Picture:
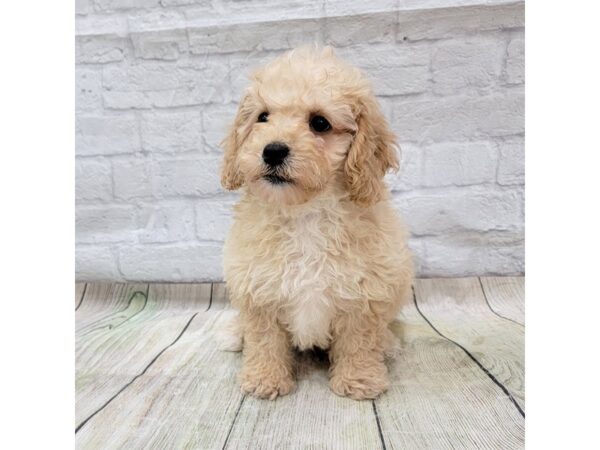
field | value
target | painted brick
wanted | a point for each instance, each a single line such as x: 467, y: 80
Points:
x: 386, y: 105
x: 167, y: 3
x: 515, y: 61
x: 459, y: 164
x: 511, y: 167
x: 410, y: 174
x: 84, y: 6
x: 132, y: 178
x: 100, y: 49
x: 491, y: 253
x: 88, y: 90
x: 149, y: 76
x: 183, y: 177
x: 158, y: 34
x: 213, y: 218
x: 399, y: 80
x: 96, y: 263
x: 368, y: 56
x: 256, y: 36
x: 93, y: 180
x: 172, y: 262
x: 371, y: 28
x: 458, y: 210
x: 392, y: 69
x: 474, y: 62
x: 162, y: 85
x: 170, y: 132
x: 449, y: 22
x: 114, y: 5
x: 460, y: 117
x: 216, y: 121
x: 155, y: 20
x: 359, y: 8
x: 243, y: 11
x: 106, y: 135
x: 171, y: 222
x: 168, y: 45
x: 99, y: 26
x: 105, y: 223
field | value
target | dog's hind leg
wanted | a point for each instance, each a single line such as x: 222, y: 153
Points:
x: 230, y: 336
x: 391, y: 344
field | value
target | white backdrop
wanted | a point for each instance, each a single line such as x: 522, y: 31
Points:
x: 157, y: 83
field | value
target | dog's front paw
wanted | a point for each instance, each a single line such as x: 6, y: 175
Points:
x: 358, y: 388
x: 359, y: 385
x: 267, y: 386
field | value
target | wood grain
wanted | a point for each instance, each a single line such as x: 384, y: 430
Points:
x: 105, y: 299
x: 219, y: 299
x: 506, y: 296
x: 439, y: 398
x: 187, y: 398
x: 458, y: 309
x: 119, y: 335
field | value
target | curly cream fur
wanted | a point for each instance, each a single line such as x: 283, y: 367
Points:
x: 320, y: 261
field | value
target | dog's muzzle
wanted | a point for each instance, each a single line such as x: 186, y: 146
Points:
x: 274, y: 155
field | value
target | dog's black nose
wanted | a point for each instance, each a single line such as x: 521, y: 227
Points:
x: 274, y: 153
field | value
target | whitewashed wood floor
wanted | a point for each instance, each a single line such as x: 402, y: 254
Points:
x: 149, y: 375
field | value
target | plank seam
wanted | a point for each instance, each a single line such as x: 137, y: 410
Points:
x: 233, y: 422
x: 211, y: 296
x: 475, y: 360
x: 492, y: 309
x: 137, y: 376
x: 378, y: 425
x: 82, y: 295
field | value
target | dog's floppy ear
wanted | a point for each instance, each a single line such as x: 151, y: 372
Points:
x: 231, y: 178
x: 372, y: 153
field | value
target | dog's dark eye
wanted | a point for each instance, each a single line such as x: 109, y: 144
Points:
x: 263, y: 117
x: 319, y: 124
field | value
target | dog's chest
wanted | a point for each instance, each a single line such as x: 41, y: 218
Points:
x: 306, y: 279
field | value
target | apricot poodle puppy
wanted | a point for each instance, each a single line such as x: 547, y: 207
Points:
x: 316, y: 256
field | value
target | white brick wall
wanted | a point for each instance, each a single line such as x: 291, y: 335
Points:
x: 157, y: 85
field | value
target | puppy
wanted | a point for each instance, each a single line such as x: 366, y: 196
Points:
x: 316, y: 256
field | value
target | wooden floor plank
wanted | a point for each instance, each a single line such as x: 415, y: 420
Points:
x: 97, y: 320
x: 117, y: 339
x: 439, y: 398
x: 506, y: 296
x: 458, y: 309
x: 79, y: 291
x: 104, y: 300
x: 187, y: 398
x: 219, y: 297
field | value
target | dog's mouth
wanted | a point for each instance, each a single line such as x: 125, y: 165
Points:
x: 276, y: 179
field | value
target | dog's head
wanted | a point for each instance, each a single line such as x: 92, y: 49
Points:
x: 308, y: 120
